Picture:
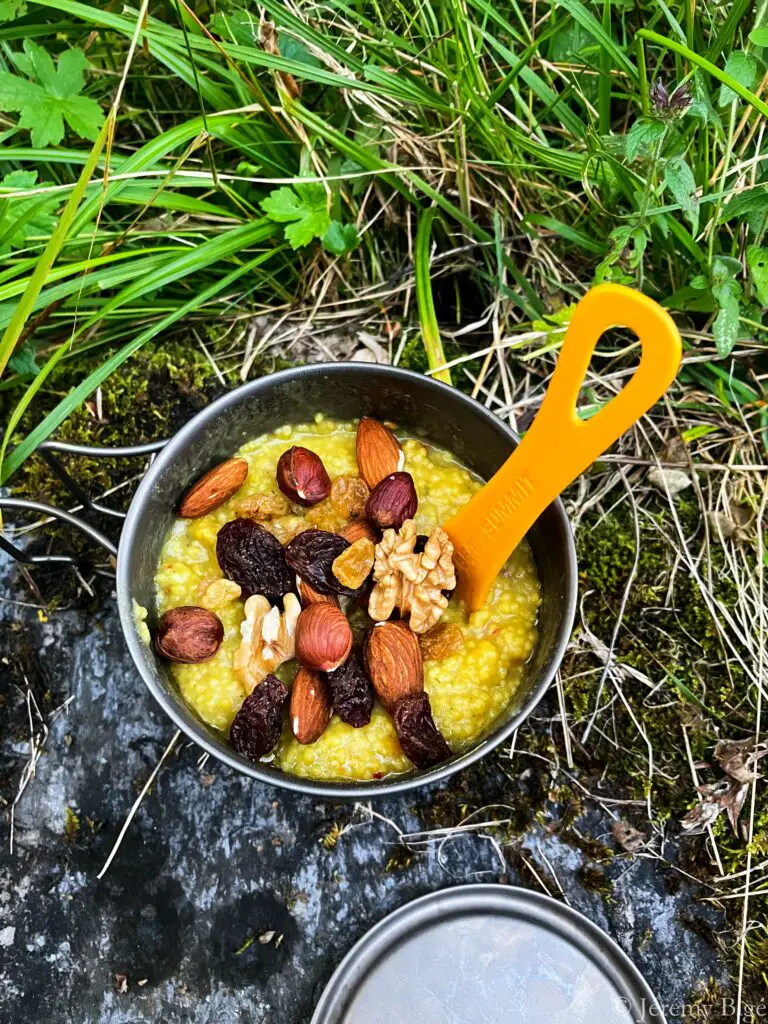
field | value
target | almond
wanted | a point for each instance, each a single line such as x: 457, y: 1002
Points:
x: 378, y: 452
x: 358, y: 529
x: 323, y: 637
x: 393, y: 660
x: 309, y: 595
x: 310, y: 705
x: 213, y: 489
x: 188, y: 634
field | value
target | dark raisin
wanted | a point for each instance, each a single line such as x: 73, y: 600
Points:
x: 419, y: 736
x: 352, y: 693
x: 253, y: 558
x: 311, y: 555
x: 259, y: 722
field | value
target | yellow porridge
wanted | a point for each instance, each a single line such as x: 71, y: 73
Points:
x: 469, y: 666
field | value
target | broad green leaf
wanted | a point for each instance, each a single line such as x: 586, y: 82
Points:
x: 759, y: 36
x: 340, y: 238
x: 753, y: 200
x: 679, y: 179
x: 20, y: 218
x: 643, y: 136
x: 757, y: 261
x: 12, y: 9
x: 726, y: 293
x: 48, y: 96
x: 304, y: 208
x: 23, y: 360
x: 743, y: 68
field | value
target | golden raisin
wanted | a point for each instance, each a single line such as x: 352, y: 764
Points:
x: 441, y: 642
x: 325, y: 517
x: 263, y: 506
x: 287, y: 527
x: 349, y: 495
x: 353, y: 565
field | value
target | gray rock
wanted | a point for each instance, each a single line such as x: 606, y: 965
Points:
x: 223, y: 903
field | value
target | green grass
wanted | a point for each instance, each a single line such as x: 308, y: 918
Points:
x: 509, y: 120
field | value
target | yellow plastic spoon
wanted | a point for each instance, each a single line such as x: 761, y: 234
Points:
x: 558, y: 445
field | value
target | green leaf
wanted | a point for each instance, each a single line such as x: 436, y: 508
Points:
x: 304, y: 208
x: 757, y: 261
x: 12, y: 9
x: 340, y: 238
x: 743, y: 68
x: 754, y: 200
x: 23, y: 360
x: 679, y: 179
x: 726, y: 293
x: 48, y: 96
x: 293, y: 49
x: 20, y: 218
x: 759, y: 37
x: 644, y: 135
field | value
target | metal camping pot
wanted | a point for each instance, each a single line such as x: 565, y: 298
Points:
x: 424, y: 408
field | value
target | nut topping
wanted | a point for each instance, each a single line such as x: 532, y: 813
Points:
x: 215, y: 594
x: 213, y: 489
x: 188, y: 634
x: 323, y: 637
x: 301, y: 476
x: 359, y: 528
x: 248, y: 554
x: 393, y: 660
x: 349, y: 495
x: 378, y: 453
x: 259, y: 722
x: 392, y: 501
x: 441, y: 642
x: 352, y: 693
x: 263, y: 507
x: 268, y: 638
x: 309, y: 595
x: 412, y: 582
x: 353, y: 566
x: 310, y: 706
x: 419, y: 737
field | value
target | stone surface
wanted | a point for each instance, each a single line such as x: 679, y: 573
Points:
x: 229, y: 901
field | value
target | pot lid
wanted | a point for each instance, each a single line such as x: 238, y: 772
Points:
x: 486, y: 953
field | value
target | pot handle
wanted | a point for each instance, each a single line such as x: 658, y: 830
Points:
x: 48, y: 451
x: 56, y: 513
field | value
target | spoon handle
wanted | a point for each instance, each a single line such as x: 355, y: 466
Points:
x: 560, y: 445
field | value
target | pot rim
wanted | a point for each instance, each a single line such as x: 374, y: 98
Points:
x: 185, y: 719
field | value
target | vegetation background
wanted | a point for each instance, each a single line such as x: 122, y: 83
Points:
x: 194, y: 195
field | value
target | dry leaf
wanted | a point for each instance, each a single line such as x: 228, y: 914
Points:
x: 725, y: 795
x: 738, y: 758
x: 671, y: 481
x: 628, y: 838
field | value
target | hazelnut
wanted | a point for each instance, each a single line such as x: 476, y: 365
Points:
x: 392, y: 501
x: 188, y: 634
x: 302, y: 478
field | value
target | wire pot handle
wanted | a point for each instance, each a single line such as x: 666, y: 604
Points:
x: 47, y: 450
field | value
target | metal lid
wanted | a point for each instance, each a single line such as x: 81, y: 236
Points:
x: 486, y: 953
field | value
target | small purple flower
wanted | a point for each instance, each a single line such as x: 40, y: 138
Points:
x: 667, y: 106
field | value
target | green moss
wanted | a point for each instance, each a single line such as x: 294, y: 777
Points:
x: 596, y: 881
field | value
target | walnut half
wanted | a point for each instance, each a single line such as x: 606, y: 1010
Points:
x: 268, y: 638
x: 412, y: 582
